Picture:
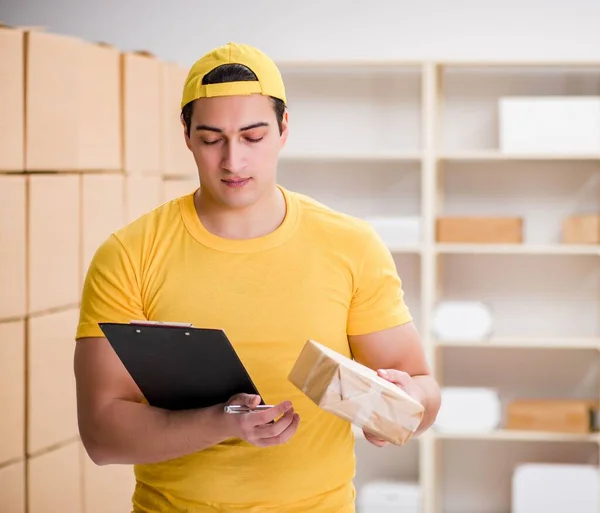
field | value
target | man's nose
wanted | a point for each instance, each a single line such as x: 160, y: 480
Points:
x: 233, y: 157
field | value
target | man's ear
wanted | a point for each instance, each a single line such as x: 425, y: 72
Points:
x: 284, y: 129
x: 185, y: 132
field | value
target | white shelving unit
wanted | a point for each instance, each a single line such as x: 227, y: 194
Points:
x: 421, y: 139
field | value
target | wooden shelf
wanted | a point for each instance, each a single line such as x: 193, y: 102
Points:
x: 412, y: 250
x: 493, y: 156
x: 408, y: 156
x: 331, y: 66
x: 518, y: 249
x: 521, y: 436
x: 526, y: 343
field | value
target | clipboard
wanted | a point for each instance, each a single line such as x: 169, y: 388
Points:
x: 177, y: 366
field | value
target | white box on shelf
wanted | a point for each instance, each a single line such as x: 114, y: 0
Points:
x: 549, y: 125
x: 462, y: 320
x: 469, y: 410
x: 397, y: 231
x: 555, y: 488
x: 388, y: 496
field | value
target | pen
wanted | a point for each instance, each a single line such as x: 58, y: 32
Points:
x: 240, y: 408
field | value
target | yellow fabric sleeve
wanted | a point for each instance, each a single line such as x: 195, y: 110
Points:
x: 378, y: 299
x: 111, y: 291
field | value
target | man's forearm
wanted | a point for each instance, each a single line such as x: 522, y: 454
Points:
x: 431, y: 400
x: 125, y: 432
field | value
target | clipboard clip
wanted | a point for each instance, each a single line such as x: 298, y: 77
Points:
x: 161, y: 323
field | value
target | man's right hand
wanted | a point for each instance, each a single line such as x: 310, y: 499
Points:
x: 257, y: 428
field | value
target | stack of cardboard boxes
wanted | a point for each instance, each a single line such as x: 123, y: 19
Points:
x: 90, y: 139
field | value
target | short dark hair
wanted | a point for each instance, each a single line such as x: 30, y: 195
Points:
x: 232, y: 73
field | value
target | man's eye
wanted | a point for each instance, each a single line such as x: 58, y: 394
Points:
x: 254, y: 140
x: 210, y: 142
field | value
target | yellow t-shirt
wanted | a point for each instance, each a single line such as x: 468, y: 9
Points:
x: 321, y: 275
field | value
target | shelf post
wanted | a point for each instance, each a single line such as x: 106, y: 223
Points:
x: 428, y: 456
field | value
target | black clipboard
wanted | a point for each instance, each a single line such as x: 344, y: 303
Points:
x: 177, y: 366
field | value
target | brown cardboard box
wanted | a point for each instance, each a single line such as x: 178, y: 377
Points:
x: 175, y: 188
x: 72, y: 104
x: 54, y: 481
x: 356, y: 393
x: 12, y: 77
x: 12, y: 488
x: 177, y: 160
x: 561, y: 416
x: 141, y: 113
x: 484, y: 230
x: 581, y: 229
x: 103, y: 212
x: 13, y: 288
x: 107, y: 489
x: 142, y: 195
x: 100, y: 127
x: 52, y: 407
x: 12, y: 391
x: 53, y: 241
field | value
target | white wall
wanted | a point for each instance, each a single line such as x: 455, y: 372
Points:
x: 181, y: 30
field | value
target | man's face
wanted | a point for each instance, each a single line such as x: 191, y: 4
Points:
x: 235, y: 141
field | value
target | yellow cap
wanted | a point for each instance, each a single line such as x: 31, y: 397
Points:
x: 269, y: 82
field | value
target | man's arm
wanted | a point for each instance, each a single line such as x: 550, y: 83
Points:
x: 116, y: 427
x: 399, y: 351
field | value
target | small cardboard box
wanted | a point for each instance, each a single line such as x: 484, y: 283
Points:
x: 549, y: 125
x: 51, y: 395
x: 53, y: 242
x: 99, y: 193
x: 581, y: 229
x: 13, y: 246
x: 12, y: 400
x: 106, y: 488
x: 72, y: 97
x: 176, y: 159
x: 141, y: 113
x: 54, y: 480
x: 356, y: 393
x: 142, y: 195
x: 559, y: 416
x: 175, y: 188
x: 480, y: 230
x: 12, y: 98
x: 12, y: 486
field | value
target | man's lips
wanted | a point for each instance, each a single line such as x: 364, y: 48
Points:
x: 235, y: 182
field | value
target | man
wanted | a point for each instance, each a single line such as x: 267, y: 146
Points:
x: 272, y: 268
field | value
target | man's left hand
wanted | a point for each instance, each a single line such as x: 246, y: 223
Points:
x: 404, y: 381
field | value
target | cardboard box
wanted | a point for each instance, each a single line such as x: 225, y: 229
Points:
x: 103, y: 212
x: 100, y: 126
x: 480, y: 230
x: 12, y: 99
x: 53, y: 241
x: 176, y: 159
x: 54, y: 481
x: 560, y: 416
x: 13, y: 261
x: 549, y: 125
x: 356, y: 393
x: 173, y: 188
x: 107, y: 489
x: 12, y: 391
x: 12, y: 488
x: 141, y: 113
x: 72, y: 104
x: 142, y: 195
x: 581, y: 229
x: 52, y: 403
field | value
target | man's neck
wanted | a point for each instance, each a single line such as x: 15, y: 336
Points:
x: 257, y: 220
